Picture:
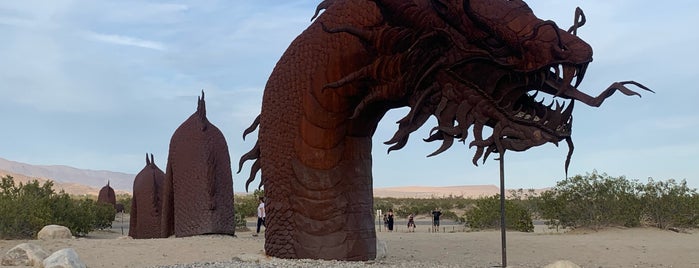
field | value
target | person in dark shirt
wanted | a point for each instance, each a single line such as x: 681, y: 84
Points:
x: 435, y: 219
x: 411, y: 222
x: 390, y: 220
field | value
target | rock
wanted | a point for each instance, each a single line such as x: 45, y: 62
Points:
x: 24, y: 254
x: 54, y: 232
x: 562, y: 264
x: 64, y: 258
x: 381, y: 249
x: 251, y: 257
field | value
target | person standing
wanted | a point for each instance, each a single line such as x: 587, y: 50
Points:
x: 435, y: 219
x: 260, y: 215
x: 390, y: 220
x: 385, y: 221
x: 411, y: 222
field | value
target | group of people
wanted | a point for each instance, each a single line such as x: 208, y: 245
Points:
x: 388, y: 220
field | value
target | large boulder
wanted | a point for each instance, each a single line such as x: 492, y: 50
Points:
x: 64, y: 258
x: 562, y: 264
x: 24, y: 254
x: 50, y: 232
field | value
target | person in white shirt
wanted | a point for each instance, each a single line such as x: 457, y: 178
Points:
x: 260, y: 215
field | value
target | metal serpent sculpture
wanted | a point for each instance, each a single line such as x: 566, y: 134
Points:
x: 470, y: 64
x: 146, y: 203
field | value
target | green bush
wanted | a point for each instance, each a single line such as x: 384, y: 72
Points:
x: 125, y: 199
x: 594, y: 200
x: 240, y: 223
x: 486, y: 214
x: 26, y: 208
x: 402, y: 207
x: 246, y: 205
x: 668, y: 203
x: 598, y: 200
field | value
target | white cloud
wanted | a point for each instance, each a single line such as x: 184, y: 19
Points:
x: 126, y: 41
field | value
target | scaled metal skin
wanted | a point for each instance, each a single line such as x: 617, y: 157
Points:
x: 470, y: 64
x: 106, y: 195
x: 198, y: 187
x: 146, y: 203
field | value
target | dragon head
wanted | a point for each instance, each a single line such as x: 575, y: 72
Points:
x: 476, y: 64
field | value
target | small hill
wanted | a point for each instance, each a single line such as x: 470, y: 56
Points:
x: 431, y: 192
x: 65, y: 174
x: 68, y: 187
x: 467, y: 191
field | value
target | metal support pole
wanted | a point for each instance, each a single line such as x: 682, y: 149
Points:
x: 502, y: 208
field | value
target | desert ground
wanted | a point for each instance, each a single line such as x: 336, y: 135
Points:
x: 453, y: 247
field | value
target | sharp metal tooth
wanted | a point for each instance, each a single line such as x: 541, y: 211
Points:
x: 558, y: 72
x: 536, y: 93
x: 559, y: 108
x: 546, y: 122
x: 527, y: 116
x: 577, y: 76
x: 569, y: 110
x: 581, y: 74
x: 568, y: 75
x: 537, y: 119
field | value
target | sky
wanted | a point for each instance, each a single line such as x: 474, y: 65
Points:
x: 97, y: 84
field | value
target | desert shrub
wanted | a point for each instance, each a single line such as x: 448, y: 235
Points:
x: 486, y: 214
x: 384, y: 204
x: 125, y: 199
x: 104, y: 215
x: 26, y: 208
x: 448, y: 214
x: 529, y: 199
x: 246, y: 205
x: 597, y: 200
x: 594, y: 200
x: 240, y: 223
x: 669, y: 203
x: 402, y: 207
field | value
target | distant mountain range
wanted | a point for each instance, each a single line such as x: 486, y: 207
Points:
x: 84, y: 181
x: 65, y: 174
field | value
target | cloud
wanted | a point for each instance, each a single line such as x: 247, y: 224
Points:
x: 126, y: 41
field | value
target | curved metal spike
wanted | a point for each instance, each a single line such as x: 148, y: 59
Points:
x: 446, y: 144
x: 323, y: 5
x: 254, y: 153
x: 571, y: 147
x: 252, y: 126
x: 253, y: 172
x: 434, y: 136
x: 399, y: 145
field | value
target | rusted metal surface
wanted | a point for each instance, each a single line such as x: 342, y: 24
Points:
x: 106, y: 195
x: 470, y: 64
x: 146, y: 203
x: 198, y: 187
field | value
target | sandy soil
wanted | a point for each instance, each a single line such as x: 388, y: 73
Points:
x: 613, y: 247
